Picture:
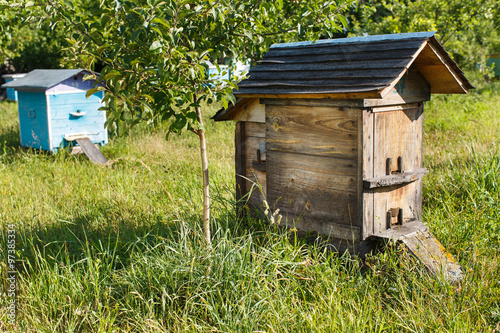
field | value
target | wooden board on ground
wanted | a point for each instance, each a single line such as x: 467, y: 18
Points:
x: 433, y: 255
x: 92, y: 152
x: 423, y: 245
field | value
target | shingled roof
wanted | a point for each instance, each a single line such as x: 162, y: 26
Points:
x: 43, y: 79
x: 359, y: 67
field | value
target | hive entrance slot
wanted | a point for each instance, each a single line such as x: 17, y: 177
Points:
x: 389, y: 168
x: 394, y: 218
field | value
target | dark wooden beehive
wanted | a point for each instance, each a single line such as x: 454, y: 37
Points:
x: 333, y: 131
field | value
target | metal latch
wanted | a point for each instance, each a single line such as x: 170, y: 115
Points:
x: 260, y: 163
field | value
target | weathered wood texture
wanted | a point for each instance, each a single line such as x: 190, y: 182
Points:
x: 411, y: 88
x: 351, y: 234
x: 319, y: 131
x: 91, y: 150
x: 423, y: 245
x: 239, y: 159
x: 313, y: 93
x: 433, y: 255
x: 395, y: 179
x: 367, y: 67
x: 397, y: 134
x: 312, y: 185
x: 365, y: 211
x: 312, y: 168
x: 441, y: 71
x: 254, y: 138
x: 409, y: 229
x: 313, y: 102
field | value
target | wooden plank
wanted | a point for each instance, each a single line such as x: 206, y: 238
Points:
x: 395, y: 179
x: 313, y: 186
x: 313, y: 66
x: 325, y: 55
x: 408, y: 65
x: 434, y: 256
x: 367, y: 171
x: 397, y: 134
x: 312, y: 102
x: 411, y: 88
x: 403, y: 47
x: 441, y: 80
x: 327, y: 74
x: 254, y: 129
x: 357, y: 92
x: 319, y: 131
x: 239, y: 158
x: 308, y: 95
x: 327, y: 227
x: 451, y: 66
x: 92, y: 152
x: 442, y: 74
x: 251, y: 111
x: 418, y: 135
x: 424, y: 246
x: 313, y: 83
x: 245, y: 109
x: 397, y: 197
x: 401, y: 107
x: 256, y: 178
x: 409, y: 229
x: 359, y: 175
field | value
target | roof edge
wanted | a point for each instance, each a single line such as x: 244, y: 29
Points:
x: 18, y: 84
x: 434, y: 43
x: 225, y: 114
x: 354, y: 40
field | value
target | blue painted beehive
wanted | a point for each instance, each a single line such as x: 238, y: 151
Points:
x: 218, y: 74
x: 11, y: 92
x: 53, y: 108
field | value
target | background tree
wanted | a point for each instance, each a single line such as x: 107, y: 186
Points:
x: 468, y: 28
x: 155, y: 52
x: 26, y: 43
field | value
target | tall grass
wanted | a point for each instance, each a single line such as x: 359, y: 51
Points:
x: 120, y: 248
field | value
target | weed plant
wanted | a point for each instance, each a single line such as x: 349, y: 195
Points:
x: 120, y: 248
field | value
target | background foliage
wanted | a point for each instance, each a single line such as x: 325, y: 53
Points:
x: 469, y: 29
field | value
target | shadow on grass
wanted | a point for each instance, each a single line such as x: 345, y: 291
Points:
x: 113, y: 231
x: 9, y: 137
x: 83, y: 237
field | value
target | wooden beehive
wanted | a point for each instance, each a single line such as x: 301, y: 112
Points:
x: 53, y: 109
x: 333, y: 131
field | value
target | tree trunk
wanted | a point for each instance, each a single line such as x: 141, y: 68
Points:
x: 204, y: 168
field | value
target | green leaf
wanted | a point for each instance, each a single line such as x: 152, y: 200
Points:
x: 90, y: 92
x: 155, y: 45
x: 343, y: 20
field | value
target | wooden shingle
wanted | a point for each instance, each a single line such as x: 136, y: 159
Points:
x: 361, y: 67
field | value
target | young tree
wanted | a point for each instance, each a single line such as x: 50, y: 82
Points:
x: 155, y: 52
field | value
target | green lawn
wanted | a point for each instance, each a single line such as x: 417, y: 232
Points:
x: 120, y: 248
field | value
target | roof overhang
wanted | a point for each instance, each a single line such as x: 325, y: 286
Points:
x: 434, y: 63
x: 43, y: 79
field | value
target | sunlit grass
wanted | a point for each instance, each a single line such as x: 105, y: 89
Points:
x: 120, y: 248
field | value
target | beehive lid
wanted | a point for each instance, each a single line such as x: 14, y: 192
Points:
x: 43, y: 79
x: 13, y: 76
x: 359, y: 67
